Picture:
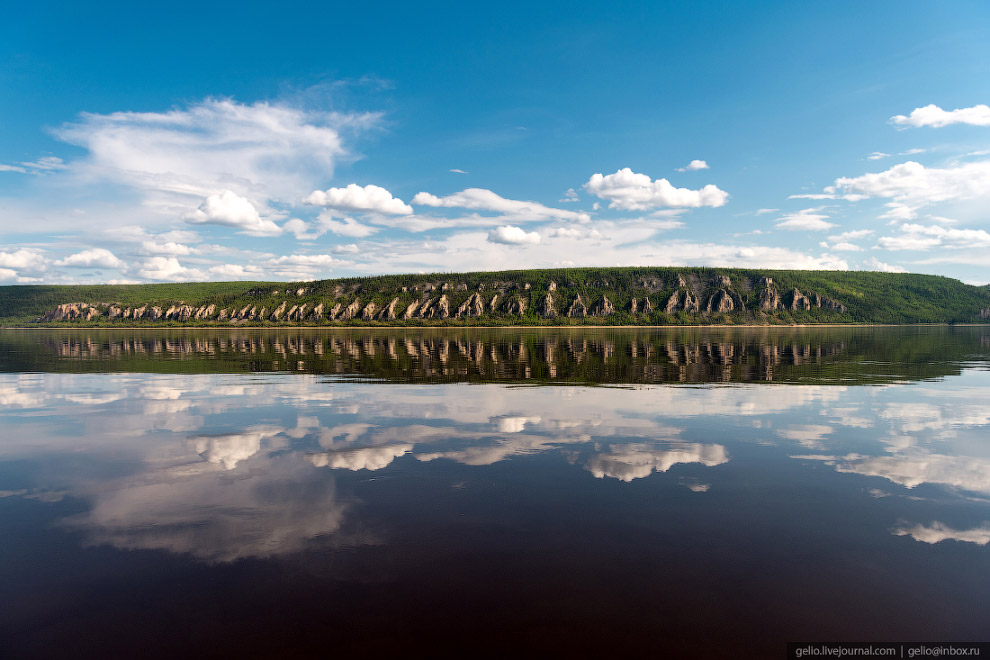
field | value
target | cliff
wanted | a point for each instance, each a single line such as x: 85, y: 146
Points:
x: 585, y: 296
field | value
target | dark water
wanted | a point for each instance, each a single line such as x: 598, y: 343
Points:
x: 469, y: 493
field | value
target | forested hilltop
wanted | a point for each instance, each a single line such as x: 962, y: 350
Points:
x: 573, y: 296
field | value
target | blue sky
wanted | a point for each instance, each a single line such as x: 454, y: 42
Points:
x: 248, y: 141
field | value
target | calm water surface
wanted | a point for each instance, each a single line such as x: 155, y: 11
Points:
x: 467, y: 493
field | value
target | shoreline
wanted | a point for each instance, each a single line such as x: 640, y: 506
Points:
x: 505, y: 327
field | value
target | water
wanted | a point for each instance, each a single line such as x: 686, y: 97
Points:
x: 713, y: 493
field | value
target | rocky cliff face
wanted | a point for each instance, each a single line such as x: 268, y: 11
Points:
x: 699, y: 293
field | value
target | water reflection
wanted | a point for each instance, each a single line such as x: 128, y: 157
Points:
x: 221, y: 468
x: 658, y: 355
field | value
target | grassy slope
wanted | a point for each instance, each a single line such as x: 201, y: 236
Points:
x: 869, y: 296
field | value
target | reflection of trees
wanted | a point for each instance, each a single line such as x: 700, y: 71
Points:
x: 846, y: 355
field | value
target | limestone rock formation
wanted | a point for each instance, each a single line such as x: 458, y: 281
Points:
x: 577, y: 308
x: 603, y: 307
x: 388, y: 312
x: 769, y: 298
x: 368, y: 313
x: 317, y: 313
x: 335, y: 312
x: 647, y: 306
x: 552, y: 286
x: 691, y: 302
x: 473, y: 306
x: 276, y: 315
x: 546, y: 308
x: 411, y: 310
x: 720, y: 302
x: 443, y: 307
x: 516, y: 305
x: 633, y: 306
x: 351, y: 310
x: 799, y: 300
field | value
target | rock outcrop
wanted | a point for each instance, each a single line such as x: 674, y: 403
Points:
x: 577, y: 309
x: 473, y: 306
x: 546, y: 307
x: 368, y: 313
x: 720, y: 302
x: 351, y: 310
x: 603, y: 307
x: 277, y: 314
x: 515, y: 305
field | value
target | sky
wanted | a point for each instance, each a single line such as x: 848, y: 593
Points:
x: 249, y: 141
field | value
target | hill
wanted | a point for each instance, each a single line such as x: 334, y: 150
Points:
x: 573, y: 296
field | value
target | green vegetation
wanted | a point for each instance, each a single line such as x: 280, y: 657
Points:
x: 838, y: 297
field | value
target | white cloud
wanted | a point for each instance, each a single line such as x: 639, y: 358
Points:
x: 480, y: 199
x: 693, y: 166
x: 932, y: 115
x: 922, y: 237
x: 344, y: 226
x: 805, y: 220
x: 851, y: 235
x: 167, y: 248
x: 765, y: 211
x: 236, y: 272
x: 569, y: 197
x: 370, y: 198
x: 231, y: 210
x: 456, y: 170
x: 848, y: 198
x: 301, y: 266
x: 167, y: 269
x: 92, y: 258
x: 510, y: 235
x: 268, y: 150
x: 877, y: 155
x: 875, y: 264
x: 843, y: 246
x: 938, y: 532
x: 912, y: 184
x: 44, y: 165
x: 25, y: 260
x: 628, y: 190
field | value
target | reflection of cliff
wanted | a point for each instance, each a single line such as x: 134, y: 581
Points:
x: 845, y: 356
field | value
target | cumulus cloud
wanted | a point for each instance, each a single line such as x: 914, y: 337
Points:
x: 301, y: 266
x: 92, y: 258
x: 922, y: 237
x: 569, y: 196
x: 911, y: 184
x: 805, y: 220
x: 370, y: 198
x: 510, y: 235
x: 630, y: 191
x: 843, y: 246
x: 875, y: 264
x: 25, y: 261
x: 932, y: 115
x: 480, y: 199
x: 231, y: 210
x: 693, y: 166
x: 344, y: 226
x: 235, y: 272
x: 168, y: 269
